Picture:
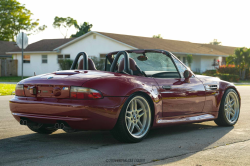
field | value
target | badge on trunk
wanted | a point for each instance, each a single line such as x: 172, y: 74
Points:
x: 49, y: 78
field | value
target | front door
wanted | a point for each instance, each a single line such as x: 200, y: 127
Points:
x: 181, y: 98
x: 178, y: 97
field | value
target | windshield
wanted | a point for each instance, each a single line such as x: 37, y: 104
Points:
x: 154, y: 62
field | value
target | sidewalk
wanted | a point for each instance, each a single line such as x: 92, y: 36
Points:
x: 8, y: 82
x: 237, y: 83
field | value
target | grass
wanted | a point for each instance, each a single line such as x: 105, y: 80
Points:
x: 7, y: 89
x: 244, y: 81
x: 11, y: 79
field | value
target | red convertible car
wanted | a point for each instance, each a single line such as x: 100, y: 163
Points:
x: 138, y: 90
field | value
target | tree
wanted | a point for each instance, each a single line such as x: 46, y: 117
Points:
x: 82, y: 29
x: 65, y: 64
x: 215, y: 42
x: 241, y: 60
x: 99, y: 63
x: 14, y: 17
x: 60, y: 22
x: 157, y: 36
x: 189, y: 60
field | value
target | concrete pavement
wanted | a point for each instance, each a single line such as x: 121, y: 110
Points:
x: 193, y: 144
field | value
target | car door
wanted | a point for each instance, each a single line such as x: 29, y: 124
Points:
x: 178, y: 97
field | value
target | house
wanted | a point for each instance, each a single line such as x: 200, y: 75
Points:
x: 6, y: 46
x: 42, y: 56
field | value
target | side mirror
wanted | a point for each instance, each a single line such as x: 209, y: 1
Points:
x: 187, y: 74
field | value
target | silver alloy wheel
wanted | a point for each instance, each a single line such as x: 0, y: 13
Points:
x: 138, y: 117
x: 232, y: 107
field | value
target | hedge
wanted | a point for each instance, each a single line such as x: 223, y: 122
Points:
x: 210, y: 72
x: 226, y: 69
x: 225, y: 77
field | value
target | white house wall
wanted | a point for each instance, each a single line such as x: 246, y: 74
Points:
x: 206, y: 62
x: 36, y: 64
x: 93, y: 47
x: 200, y: 63
x: 196, y: 65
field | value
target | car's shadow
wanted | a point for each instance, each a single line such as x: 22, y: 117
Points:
x: 167, y: 142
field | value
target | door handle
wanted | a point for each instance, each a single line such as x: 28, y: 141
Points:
x: 166, y: 87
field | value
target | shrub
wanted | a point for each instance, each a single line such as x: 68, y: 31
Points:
x: 225, y: 77
x: 228, y: 69
x: 65, y: 64
x: 229, y: 77
x: 209, y: 72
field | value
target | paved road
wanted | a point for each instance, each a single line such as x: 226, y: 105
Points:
x: 193, y: 144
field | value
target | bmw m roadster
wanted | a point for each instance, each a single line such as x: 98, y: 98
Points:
x: 136, y: 91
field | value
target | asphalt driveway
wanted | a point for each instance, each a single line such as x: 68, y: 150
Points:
x: 193, y: 144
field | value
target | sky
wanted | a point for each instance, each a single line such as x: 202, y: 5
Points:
x: 198, y: 21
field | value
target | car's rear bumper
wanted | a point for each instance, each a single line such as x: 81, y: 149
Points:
x: 98, y: 114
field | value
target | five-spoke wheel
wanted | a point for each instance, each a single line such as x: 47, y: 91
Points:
x: 134, y: 120
x: 229, y: 109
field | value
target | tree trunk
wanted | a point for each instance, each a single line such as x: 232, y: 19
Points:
x: 243, y: 73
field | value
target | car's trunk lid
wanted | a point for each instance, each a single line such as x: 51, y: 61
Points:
x: 57, y: 84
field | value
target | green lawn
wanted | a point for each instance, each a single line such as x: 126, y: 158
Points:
x: 244, y: 81
x: 11, y: 79
x: 7, y: 89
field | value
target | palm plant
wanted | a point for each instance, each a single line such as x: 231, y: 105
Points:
x: 189, y: 60
x: 241, y: 60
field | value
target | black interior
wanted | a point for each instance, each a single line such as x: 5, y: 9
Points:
x: 165, y: 75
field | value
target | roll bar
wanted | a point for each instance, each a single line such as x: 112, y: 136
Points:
x: 85, y: 61
x: 126, y: 62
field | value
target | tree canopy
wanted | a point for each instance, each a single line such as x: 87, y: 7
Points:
x: 241, y: 60
x: 215, y: 42
x: 14, y: 17
x: 66, y: 23
x: 82, y: 29
x: 157, y: 36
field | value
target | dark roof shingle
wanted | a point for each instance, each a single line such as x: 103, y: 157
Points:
x: 139, y: 42
x: 44, y: 45
x: 6, y: 46
x: 171, y: 45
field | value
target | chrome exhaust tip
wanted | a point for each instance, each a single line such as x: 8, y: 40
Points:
x: 21, y: 122
x: 57, y: 126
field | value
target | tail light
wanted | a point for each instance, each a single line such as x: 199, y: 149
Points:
x: 84, y: 93
x: 19, y: 91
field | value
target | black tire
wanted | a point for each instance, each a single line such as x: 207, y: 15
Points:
x: 41, y: 128
x: 121, y: 131
x: 222, y: 119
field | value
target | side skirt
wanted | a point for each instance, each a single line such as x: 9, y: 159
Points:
x: 191, y: 119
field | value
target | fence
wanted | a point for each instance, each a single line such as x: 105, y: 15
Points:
x: 8, y: 67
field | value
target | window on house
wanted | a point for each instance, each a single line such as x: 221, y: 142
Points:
x: 102, y: 56
x: 59, y: 57
x: 44, y: 58
x: 67, y: 56
x: 91, y: 56
x: 26, y: 59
